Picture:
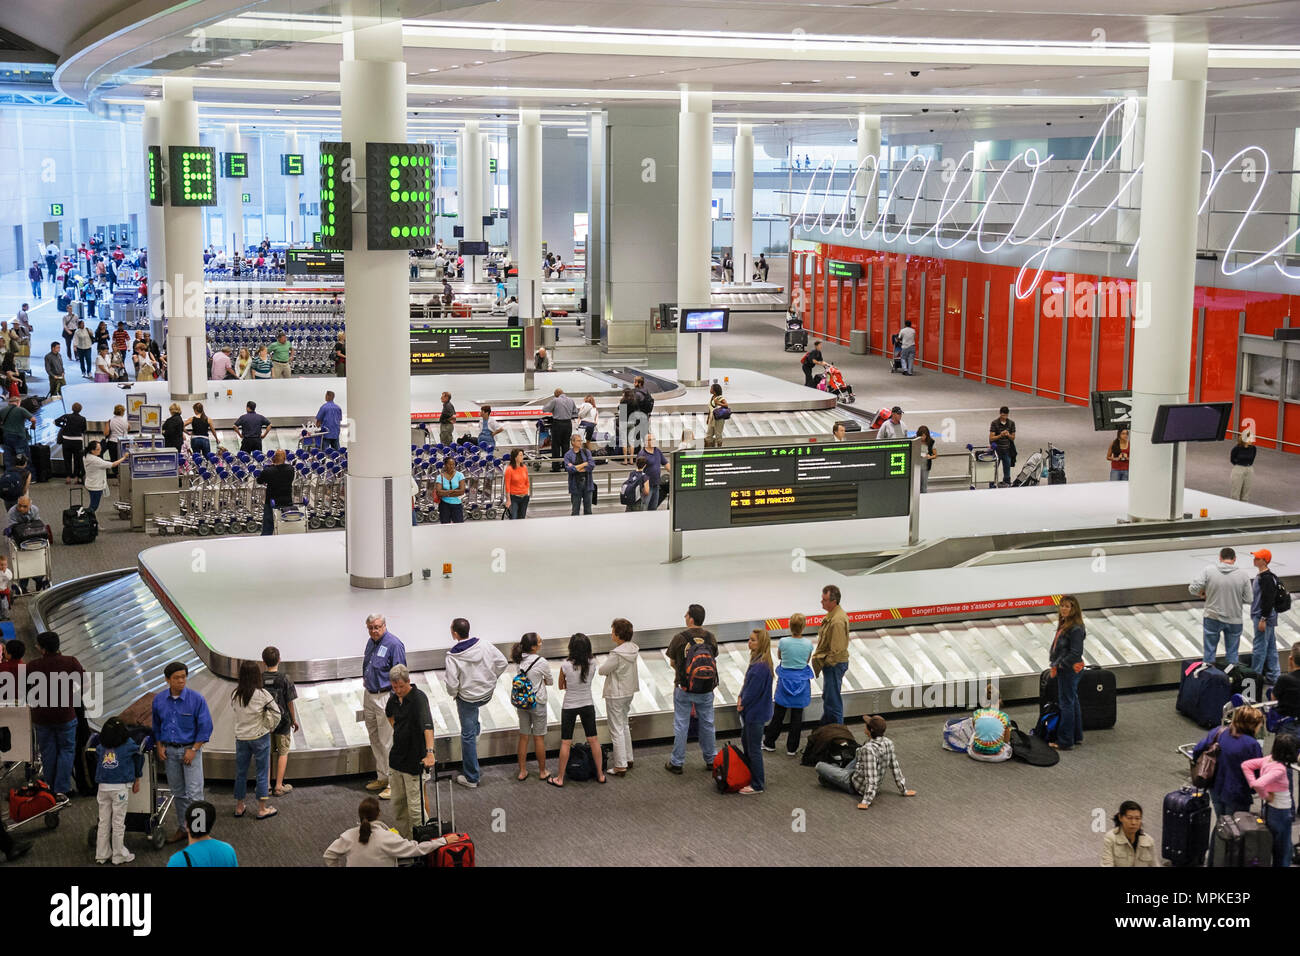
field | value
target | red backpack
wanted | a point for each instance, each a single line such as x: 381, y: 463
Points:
x: 730, y: 771
x: 27, y: 802
x: 458, y: 854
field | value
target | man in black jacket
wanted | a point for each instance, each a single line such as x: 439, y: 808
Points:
x: 1263, y: 615
x: 278, y: 478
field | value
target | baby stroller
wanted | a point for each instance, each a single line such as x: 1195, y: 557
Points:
x: 833, y: 381
x: 1032, y: 472
x: 896, y: 364
x: 796, y: 336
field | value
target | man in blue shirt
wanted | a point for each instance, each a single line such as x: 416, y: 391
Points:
x: 182, y: 726
x: 203, y: 850
x: 383, y: 652
x: 329, y: 416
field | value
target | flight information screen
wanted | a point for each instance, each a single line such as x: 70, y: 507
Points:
x: 451, y: 350
x: 737, y: 487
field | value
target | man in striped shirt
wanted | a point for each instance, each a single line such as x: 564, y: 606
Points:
x: 863, y: 775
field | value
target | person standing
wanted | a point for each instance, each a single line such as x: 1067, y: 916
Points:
x: 717, y: 417
x: 577, y: 673
x: 281, y: 356
x: 328, y: 418
x: 221, y: 366
x: 201, y: 429
x: 252, y: 428
x: 96, y: 469
x: 52, y: 263
x: 907, y: 346
x: 121, y: 341
x: 831, y: 656
x: 928, y: 455
x: 693, y: 652
x: 256, y: 715
x: 579, y: 464
x: 341, y: 356
x: 446, y: 420
x: 260, y: 365
x: 1272, y: 777
x: 72, y: 436
x: 1242, y: 458
x: 383, y: 652
x: 762, y: 266
x: 118, y: 767
x: 182, y: 727
x: 655, y: 462
x: 1263, y: 618
x: 619, y: 668
x: 203, y: 850
x: 1229, y: 792
x: 518, y: 486
x: 1225, y: 588
x: 278, y: 478
x: 810, y: 362
x: 893, y: 426
x: 70, y: 324
x: 56, y: 724
x: 563, y: 411
x: 1002, y: 436
x: 173, y: 428
x: 1117, y: 455
x: 754, y: 707
x: 1066, y: 664
x: 281, y: 688
x: 83, y: 344
x: 533, y: 668
x: 450, y: 485
x: 470, y: 675
x: 408, y: 714
x: 793, y: 687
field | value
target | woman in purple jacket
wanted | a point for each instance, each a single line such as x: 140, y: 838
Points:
x: 755, y: 706
x: 1229, y: 793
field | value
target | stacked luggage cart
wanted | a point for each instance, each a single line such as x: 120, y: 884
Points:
x: 312, y: 323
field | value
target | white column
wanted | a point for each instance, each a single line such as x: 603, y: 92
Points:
x: 232, y: 204
x: 151, y: 135
x: 694, y: 226
x: 182, y: 292
x: 470, y: 180
x: 1162, y: 340
x: 485, y: 192
x: 292, y: 186
x: 868, y: 200
x: 373, y: 100
x: 528, y: 207
x: 1128, y: 221
x: 742, y: 203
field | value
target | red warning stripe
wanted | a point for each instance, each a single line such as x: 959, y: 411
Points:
x: 929, y: 610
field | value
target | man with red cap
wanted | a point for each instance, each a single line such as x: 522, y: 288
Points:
x: 1263, y: 617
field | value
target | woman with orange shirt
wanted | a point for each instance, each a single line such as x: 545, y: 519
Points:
x: 517, y: 485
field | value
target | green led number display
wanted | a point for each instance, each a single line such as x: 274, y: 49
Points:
x: 399, y: 195
x: 246, y: 197
x: 897, y: 463
x: 690, y: 476
x: 335, y: 196
x: 234, y: 165
x: 192, y: 171
x: 56, y: 209
x: 291, y: 164
x: 153, y: 173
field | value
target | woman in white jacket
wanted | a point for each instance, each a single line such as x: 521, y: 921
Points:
x: 256, y: 714
x: 619, y: 669
x: 373, y: 844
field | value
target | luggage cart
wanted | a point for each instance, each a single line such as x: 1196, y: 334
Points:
x: 31, y: 559
x: 25, y: 757
x: 147, y: 809
x: 984, y: 467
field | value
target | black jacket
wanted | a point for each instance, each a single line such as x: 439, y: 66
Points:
x: 173, y: 430
x: 1067, y: 648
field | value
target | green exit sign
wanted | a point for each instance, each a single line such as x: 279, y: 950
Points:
x: 248, y: 197
x: 492, y: 165
x: 56, y: 209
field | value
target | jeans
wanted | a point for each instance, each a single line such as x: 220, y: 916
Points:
x: 469, y: 728
x: 1224, y: 808
x: 1117, y: 475
x: 110, y: 841
x: 85, y: 360
x: 36, y: 288
x: 909, y: 358
x: 682, y: 702
x: 620, y: 731
x: 1279, y: 822
x: 1004, y: 456
x: 95, y: 498
x: 1231, y: 639
x: 200, y: 445
x: 259, y: 751
x: 925, y: 478
x: 832, y: 700
x: 518, y: 507
x: 751, y: 736
x: 1263, y: 652
x: 1070, y: 729
x: 378, y: 728
x: 841, y: 778
x: 653, y: 501
x: 581, y: 499
x: 185, y: 783
x: 796, y: 727
x: 268, y: 517
x: 57, y: 743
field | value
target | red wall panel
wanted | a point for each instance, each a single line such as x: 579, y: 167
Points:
x: 1050, y: 330
x: 1113, y: 321
x: 1292, y: 424
x: 996, y: 324
x: 973, y: 350
x: 928, y: 337
x: 1084, y: 308
x: 1265, y: 312
x: 951, y: 351
x: 1264, y: 413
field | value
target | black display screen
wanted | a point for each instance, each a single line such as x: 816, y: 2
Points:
x: 450, y: 350
x: 1202, y: 422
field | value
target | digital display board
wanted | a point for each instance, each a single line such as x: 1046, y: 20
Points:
x: 291, y: 164
x: 56, y: 209
x: 447, y: 350
x: 246, y: 197
x: 782, y: 484
x: 192, y: 173
x: 1207, y: 421
x: 399, y: 195
x: 1111, y: 410
x: 153, y: 175
x: 470, y: 247
x: 234, y: 165
x: 843, y: 270
x: 313, y: 262
x: 704, y: 320
x: 335, y: 195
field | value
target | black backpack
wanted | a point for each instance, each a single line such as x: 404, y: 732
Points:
x: 645, y: 402
x: 1282, y: 600
x: 699, y: 668
x: 581, y: 765
x: 631, y: 491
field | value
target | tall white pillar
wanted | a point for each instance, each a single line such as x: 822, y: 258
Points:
x: 694, y: 226
x: 868, y: 199
x: 1162, y: 340
x: 293, y: 231
x: 153, y: 220
x: 373, y: 98
x: 181, y: 295
x: 485, y: 191
x: 1128, y: 221
x: 470, y: 180
x: 742, y: 203
x: 232, y: 204
x: 528, y: 207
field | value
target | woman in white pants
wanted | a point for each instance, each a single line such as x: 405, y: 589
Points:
x: 621, y: 684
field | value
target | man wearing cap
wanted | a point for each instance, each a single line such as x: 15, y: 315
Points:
x: 281, y: 356
x: 893, y: 427
x: 203, y: 850
x: 1263, y: 617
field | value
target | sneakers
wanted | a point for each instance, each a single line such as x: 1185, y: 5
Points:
x: 768, y: 748
x: 129, y: 858
x: 792, y: 753
x: 466, y: 782
x: 386, y: 794
x: 673, y: 768
x: 380, y: 783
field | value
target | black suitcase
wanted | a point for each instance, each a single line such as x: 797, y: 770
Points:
x: 1242, y: 839
x: 40, y: 462
x: 434, y: 827
x: 1185, y: 827
x: 80, y: 526
x: 796, y: 340
x: 1097, y: 698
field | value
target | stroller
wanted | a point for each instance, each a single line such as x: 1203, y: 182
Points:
x: 833, y: 381
x: 896, y: 363
x: 796, y: 336
x: 1032, y: 472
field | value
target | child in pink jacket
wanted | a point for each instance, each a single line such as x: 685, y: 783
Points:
x: 1271, y: 778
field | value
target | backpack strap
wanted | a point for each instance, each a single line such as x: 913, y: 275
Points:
x: 186, y: 854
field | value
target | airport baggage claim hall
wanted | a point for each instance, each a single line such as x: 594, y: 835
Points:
x: 716, y: 434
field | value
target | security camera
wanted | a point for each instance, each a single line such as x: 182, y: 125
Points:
x: 914, y: 72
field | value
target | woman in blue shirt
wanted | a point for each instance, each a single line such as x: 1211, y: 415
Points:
x: 793, y: 686
x: 118, y: 765
x: 1230, y: 793
x: 450, y: 483
x: 755, y: 707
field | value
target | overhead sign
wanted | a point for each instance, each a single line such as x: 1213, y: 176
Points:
x: 56, y: 209
x: 312, y: 262
x: 844, y: 270
x: 1111, y: 410
x: 153, y: 175
x: 492, y: 165
x: 234, y: 165
x: 783, y: 484
x: 192, y: 173
x: 447, y: 350
x: 399, y: 195
x: 246, y: 197
x: 335, y: 195
x: 291, y: 164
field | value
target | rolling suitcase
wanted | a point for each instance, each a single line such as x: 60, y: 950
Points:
x: 40, y: 462
x: 458, y: 854
x: 1242, y: 839
x: 1097, y: 698
x: 1185, y: 827
x: 796, y: 340
x: 1202, y: 692
x: 80, y: 526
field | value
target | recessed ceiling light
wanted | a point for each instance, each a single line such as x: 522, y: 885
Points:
x: 787, y: 83
x: 888, y: 74
x: 816, y: 81
x: 850, y: 78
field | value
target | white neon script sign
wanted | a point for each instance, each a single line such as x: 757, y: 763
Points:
x: 1052, y: 232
